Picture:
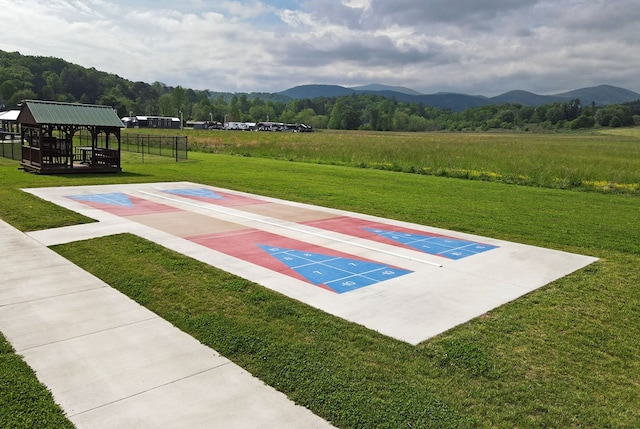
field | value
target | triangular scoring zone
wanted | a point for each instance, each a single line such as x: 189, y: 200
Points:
x: 338, y: 274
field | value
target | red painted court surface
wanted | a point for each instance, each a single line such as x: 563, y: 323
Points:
x: 408, y: 281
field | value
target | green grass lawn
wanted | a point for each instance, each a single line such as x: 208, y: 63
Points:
x: 565, y: 355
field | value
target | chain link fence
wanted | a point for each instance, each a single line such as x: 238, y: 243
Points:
x: 11, y: 149
x: 176, y: 147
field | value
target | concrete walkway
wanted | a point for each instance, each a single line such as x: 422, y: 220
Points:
x: 111, y: 363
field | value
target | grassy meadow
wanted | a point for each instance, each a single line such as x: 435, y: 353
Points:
x: 606, y: 160
x: 565, y: 355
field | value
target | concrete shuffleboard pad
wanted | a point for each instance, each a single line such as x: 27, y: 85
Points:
x: 408, y: 281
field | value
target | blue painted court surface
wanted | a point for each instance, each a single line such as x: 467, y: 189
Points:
x: 114, y: 199
x: 451, y: 248
x: 338, y: 274
x: 195, y: 192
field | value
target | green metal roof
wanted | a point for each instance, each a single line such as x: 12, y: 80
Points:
x: 55, y: 113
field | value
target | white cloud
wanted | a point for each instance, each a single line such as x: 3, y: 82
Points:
x: 295, y: 19
x: 357, y: 4
x: 477, y: 46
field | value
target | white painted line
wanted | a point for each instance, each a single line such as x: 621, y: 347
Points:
x: 291, y: 228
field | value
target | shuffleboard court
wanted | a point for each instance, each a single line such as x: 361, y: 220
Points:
x: 407, y: 281
x: 323, y: 267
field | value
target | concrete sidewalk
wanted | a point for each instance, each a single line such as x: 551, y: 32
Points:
x: 111, y: 363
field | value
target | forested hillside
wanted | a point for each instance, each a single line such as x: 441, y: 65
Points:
x: 29, y: 77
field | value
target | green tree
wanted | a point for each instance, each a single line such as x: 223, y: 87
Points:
x: 8, y: 88
x: 262, y: 112
x: 526, y: 114
x: 583, y: 121
x: 19, y: 96
x: 371, y: 117
x: 166, y: 104
x: 306, y: 116
x: 337, y: 113
x: 401, y: 121
x: 180, y: 102
x: 418, y: 123
x: 614, y: 115
x: 507, y: 116
x: 555, y: 114
x: 202, y: 110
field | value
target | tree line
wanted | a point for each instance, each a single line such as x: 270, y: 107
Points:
x: 32, y: 77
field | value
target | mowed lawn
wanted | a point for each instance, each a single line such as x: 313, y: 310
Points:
x: 566, y: 355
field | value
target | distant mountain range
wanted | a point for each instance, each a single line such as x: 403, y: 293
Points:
x: 601, y: 95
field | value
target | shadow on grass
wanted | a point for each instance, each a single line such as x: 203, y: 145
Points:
x: 122, y: 174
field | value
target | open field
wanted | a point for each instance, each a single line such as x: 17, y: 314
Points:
x: 607, y: 160
x: 563, y: 356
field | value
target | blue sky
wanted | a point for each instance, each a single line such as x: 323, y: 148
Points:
x: 484, y: 47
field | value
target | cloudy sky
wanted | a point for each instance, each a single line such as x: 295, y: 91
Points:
x: 484, y: 47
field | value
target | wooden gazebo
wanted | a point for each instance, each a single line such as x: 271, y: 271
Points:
x: 48, y: 129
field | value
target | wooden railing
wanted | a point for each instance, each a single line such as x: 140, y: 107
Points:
x: 106, y: 157
x: 31, y: 155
